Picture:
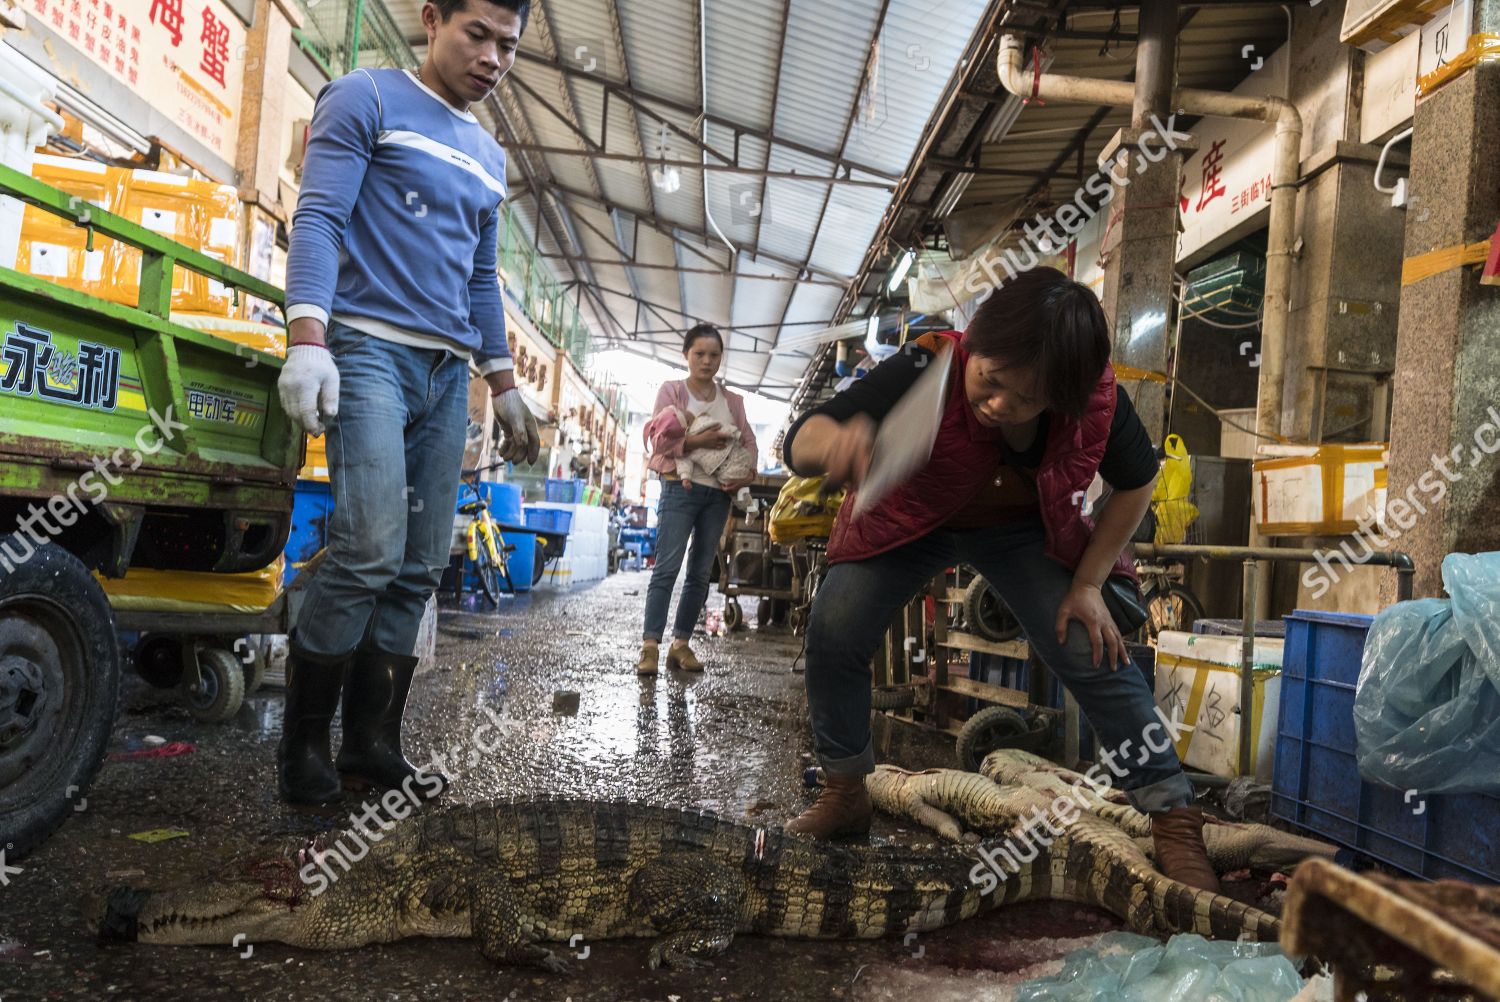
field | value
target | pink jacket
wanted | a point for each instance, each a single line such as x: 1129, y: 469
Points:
x: 665, y: 433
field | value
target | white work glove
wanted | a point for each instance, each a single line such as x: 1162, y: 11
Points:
x: 309, y: 386
x: 523, y: 440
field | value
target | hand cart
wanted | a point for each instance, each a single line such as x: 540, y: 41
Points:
x: 750, y: 564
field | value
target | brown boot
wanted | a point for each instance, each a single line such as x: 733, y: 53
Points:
x: 1178, y: 835
x: 681, y: 656
x: 650, y: 657
x: 843, y: 808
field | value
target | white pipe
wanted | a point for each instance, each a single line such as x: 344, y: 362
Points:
x: 703, y: 153
x: 32, y: 105
x: 1285, y: 174
x: 1404, y: 134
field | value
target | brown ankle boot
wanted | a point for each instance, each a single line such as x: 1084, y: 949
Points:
x: 1178, y: 835
x: 843, y: 808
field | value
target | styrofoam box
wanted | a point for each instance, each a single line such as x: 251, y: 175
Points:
x: 1198, y: 681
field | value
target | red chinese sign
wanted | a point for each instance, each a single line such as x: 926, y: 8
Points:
x: 150, y: 46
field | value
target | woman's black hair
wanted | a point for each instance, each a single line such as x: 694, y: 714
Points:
x: 701, y: 330
x: 1044, y: 321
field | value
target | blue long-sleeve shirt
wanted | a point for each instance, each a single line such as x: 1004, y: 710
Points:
x: 398, y: 217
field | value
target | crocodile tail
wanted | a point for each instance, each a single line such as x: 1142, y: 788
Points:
x: 1105, y: 867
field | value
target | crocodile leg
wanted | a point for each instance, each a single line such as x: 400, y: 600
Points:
x: 694, y: 902
x: 503, y: 932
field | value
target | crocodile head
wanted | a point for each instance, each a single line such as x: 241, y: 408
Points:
x: 260, y: 902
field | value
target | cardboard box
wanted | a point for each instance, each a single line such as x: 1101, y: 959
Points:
x: 1319, y: 489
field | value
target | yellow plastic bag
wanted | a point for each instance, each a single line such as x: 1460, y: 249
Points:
x: 800, y: 513
x: 1170, y: 500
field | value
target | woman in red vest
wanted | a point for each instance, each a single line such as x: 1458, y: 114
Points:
x: 1033, y: 412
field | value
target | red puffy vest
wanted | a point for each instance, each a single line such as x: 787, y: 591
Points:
x: 964, y: 457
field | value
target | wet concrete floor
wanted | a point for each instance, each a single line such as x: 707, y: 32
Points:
x: 733, y: 739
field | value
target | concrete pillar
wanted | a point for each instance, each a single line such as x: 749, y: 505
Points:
x: 1447, y: 382
x: 1142, y: 250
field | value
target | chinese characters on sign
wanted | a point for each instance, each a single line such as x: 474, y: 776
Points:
x: 1213, y: 186
x: 168, y: 14
x: 194, y: 79
x: 34, y: 366
x: 210, y: 406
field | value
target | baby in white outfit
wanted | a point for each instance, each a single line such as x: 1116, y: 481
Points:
x: 727, y: 463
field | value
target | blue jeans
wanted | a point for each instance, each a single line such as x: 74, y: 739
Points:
x: 394, y: 455
x: 858, y: 599
x: 698, y: 515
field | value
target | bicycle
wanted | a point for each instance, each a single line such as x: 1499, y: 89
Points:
x: 486, y: 548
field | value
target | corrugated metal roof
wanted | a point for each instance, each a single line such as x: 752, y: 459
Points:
x: 821, y: 88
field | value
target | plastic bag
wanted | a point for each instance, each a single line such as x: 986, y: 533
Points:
x: 1124, y: 967
x: 1427, y: 709
x: 1169, y: 500
x: 801, y: 513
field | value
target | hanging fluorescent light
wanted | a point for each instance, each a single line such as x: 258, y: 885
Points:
x: 902, y: 267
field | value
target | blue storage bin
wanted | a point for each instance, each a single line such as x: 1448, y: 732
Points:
x: 504, y: 500
x: 520, y: 564
x: 1316, y: 783
x: 312, y: 503
x: 566, y: 491
x: 549, y: 519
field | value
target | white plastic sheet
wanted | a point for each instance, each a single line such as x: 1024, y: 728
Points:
x: 1427, y: 710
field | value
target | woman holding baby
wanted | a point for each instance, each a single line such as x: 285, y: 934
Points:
x: 700, y: 442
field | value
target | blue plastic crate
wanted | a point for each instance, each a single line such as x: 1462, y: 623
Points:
x: 566, y: 491
x: 1316, y: 783
x: 504, y: 500
x: 549, y: 519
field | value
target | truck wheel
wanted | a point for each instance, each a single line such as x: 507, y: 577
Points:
x: 992, y: 727
x: 59, y: 685
x: 220, y: 688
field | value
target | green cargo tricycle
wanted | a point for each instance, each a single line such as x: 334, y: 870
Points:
x: 126, y: 440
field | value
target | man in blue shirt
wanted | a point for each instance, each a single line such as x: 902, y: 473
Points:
x: 391, y: 289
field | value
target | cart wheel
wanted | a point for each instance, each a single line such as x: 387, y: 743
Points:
x: 220, y: 688
x: 780, y: 610
x: 763, y: 613
x: 987, y: 615
x: 985, y: 731
x: 892, y: 697
x: 734, y: 616
x: 158, y: 660
x: 539, y: 562
x: 255, y: 668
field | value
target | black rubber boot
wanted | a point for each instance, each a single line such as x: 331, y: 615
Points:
x: 374, y: 701
x: 304, y: 765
